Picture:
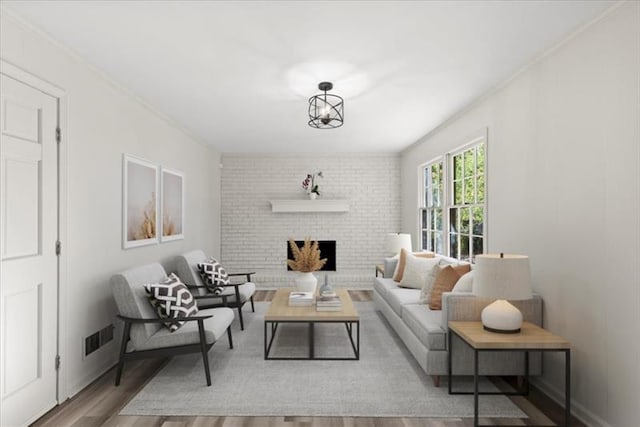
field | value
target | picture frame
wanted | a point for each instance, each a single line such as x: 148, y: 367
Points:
x: 172, y: 205
x: 140, y: 185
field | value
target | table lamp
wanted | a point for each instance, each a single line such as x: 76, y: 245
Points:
x: 395, y: 242
x: 505, y: 277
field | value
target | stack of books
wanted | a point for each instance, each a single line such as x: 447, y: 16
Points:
x: 300, y: 299
x: 328, y: 303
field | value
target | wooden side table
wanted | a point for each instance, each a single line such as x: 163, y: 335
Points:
x: 380, y: 269
x: 531, y: 338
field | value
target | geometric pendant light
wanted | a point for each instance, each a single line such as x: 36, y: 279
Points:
x: 326, y: 111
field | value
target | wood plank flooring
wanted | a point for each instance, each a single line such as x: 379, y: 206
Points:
x: 98, y: 405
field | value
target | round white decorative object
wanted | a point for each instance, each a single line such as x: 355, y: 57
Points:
x: 501, y: 316
x: 313, y: 196
x: 305, y: 282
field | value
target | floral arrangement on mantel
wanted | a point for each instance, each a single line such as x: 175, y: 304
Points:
x: 309, y: 184
x: 307, y: 258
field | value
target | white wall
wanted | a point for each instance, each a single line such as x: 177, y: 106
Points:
x: 564, y: 188
x: 103, y: 123
x: 253, y: 237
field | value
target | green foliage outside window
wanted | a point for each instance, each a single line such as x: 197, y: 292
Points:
x: 467, y: 215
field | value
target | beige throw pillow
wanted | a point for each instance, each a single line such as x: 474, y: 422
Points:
x: 416, y: 271
x: 444, y: 282
x: 400, y: 266
x: 425, y: 295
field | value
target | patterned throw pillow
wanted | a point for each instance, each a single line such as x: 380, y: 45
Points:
x: 213, y: 275
x: 171, y: 298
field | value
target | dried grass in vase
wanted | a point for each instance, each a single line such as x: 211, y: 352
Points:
x: 307, y: 258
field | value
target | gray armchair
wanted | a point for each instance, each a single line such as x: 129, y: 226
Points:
x: 144, y: 335
x: 236, y: 294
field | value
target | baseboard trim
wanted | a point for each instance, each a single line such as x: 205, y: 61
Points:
x: 577, y: 410
x: 90, y: 379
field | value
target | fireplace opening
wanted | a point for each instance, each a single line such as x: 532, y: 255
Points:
x: 327, y: 250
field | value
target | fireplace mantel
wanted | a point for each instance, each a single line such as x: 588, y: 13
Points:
x: 321, y: 205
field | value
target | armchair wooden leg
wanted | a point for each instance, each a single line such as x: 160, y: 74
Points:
x: 229, y: 337
x: 240, y: 316
x: 239, y: 305
x: 203, y: 347
x: 123, y: 349
x: 253, y: 307
x: 436, y: 380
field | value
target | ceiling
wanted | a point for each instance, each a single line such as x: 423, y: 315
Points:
x: 238, y: 75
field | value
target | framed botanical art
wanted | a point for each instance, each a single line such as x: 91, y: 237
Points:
x: 140, y: 204
x: 172, y: 224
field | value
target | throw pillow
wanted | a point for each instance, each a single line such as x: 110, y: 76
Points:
x: 425, y: 293
x: 171, y: 299
x: 465, y: 283
x: 462, y: 269
x: 444, y: 282
x: 402, y: 261
x: 416, y: 271
x: 213, y: 275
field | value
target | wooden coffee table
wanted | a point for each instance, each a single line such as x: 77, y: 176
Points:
x: 280, y: 312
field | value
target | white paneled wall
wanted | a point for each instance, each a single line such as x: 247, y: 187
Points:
x: 103, y: 122
x: 564, y: 188
x: 253, y: 237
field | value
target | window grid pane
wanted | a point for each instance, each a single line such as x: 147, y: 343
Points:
x: 430, y: 212
x: 466, y: 214
x: 454, y: 224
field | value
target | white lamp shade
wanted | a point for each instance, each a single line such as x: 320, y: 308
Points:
x: 502, y: 276
x: 395, y: 242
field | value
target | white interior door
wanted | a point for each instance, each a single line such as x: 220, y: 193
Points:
x: 28, y: 227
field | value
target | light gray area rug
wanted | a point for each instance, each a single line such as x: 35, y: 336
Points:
x: 385, y: 382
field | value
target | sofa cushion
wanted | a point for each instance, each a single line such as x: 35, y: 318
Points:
x: 399, y: 297
x: 425, y: 324
x: 214, y: 326
x: 382, y: 285
x: 187, y: 268
x: 132, y: 300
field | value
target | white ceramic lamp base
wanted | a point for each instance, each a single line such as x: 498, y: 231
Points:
x: 501, y: 317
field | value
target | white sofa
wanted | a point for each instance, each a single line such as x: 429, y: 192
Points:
x: 424, y: 331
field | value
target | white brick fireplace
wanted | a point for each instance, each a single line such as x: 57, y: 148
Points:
x: 254, y: 237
